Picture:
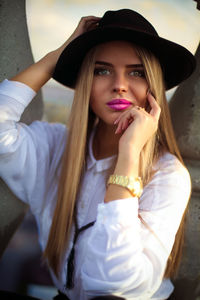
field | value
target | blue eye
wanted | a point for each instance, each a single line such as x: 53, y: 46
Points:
x: 137, y: 73
x: 101, y: 71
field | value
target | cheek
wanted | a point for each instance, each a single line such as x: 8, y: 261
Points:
x: 95, y: 106
x: 95, y: 95
x: 140, y: 91
x: 92, y: 106
x: 93, y: 102
x: 99, y: 85
x: 92, y: 97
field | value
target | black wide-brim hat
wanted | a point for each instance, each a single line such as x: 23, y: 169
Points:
x: 176, y: 61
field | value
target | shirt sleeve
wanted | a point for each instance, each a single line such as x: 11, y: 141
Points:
x: 131, y: 240
x: 27, y: 153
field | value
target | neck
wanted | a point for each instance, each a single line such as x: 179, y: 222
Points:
x: 105, y: 141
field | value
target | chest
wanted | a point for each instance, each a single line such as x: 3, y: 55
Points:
x: 92, y: 192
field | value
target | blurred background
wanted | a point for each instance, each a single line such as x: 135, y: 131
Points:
x: 50, y: 23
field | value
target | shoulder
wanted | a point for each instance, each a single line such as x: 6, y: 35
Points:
x: 50, y: 129
x: 169, y: 184
x: 50, y: 136
x: 47, y: 139
x: 169, y: 165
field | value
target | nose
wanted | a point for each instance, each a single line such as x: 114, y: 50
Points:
x: 120, y: 84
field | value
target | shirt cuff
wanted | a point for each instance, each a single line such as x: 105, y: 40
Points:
x: 121, y: 211
x: 17, y: 90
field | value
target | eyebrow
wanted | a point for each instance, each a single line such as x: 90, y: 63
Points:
x: 104, y: 63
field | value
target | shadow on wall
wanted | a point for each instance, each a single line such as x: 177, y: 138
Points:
x: 21, y: 267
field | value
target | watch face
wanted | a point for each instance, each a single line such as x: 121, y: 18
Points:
x: 134, y: 185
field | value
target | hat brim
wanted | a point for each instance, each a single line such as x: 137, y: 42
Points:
x: 176, y: 61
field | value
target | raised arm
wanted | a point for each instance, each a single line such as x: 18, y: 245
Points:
x: 39, y: 73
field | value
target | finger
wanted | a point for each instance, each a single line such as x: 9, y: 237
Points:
x: 116, y: 121
x: 155, y: 108
x: 125, y: 124
x: 86, y: 22
x: 119, y: 118
x: 92, y: 19
x: 130, y: 120
x: 92, y: 25
x: 119, y: 128
x: 129, y: 114
x: 89, y: 19
x: 124, y: 121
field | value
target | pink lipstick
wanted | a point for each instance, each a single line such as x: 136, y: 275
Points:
x: 119, y: 104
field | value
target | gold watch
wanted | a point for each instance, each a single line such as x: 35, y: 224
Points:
x: 133, y: 184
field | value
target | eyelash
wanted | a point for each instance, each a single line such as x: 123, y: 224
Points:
x: 140, y: 73
x: 98, y: 71
x: 103, y: 71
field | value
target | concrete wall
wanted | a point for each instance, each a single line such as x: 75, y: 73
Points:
x: 185, y: 110
x: 15, y: 55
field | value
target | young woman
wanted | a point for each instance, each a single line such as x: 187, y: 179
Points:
x: 109, y: 193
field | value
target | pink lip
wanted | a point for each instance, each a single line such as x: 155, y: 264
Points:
x: 119, y: 104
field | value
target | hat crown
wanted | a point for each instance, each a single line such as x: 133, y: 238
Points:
x: 177, y: 62
x: 127, y: 18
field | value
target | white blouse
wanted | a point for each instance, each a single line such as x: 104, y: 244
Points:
x: 118, y: 255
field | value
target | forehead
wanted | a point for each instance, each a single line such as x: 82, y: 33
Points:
x: 117, y: 51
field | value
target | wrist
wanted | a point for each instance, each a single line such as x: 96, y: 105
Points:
x: 49, y: 62
x: 132, y: 184
x: 45, y: 66
x: 127, y: 165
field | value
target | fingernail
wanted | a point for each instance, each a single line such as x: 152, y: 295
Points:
x: 116, y: 121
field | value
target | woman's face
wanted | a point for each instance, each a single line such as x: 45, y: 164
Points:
x: 119, y: 82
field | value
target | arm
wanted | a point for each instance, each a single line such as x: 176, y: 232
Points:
x: 131, y: 143
x: 39, y: 73
x: 26, y: 152
x: 124, y: 257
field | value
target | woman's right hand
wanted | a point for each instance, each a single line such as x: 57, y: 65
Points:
x: 39, y: 73
x: 85, y: 24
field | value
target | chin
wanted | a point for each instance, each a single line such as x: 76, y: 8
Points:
x: 109, y: 118
x: 108, y: 121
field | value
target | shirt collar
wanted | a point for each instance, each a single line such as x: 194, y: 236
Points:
x: 98, y: 165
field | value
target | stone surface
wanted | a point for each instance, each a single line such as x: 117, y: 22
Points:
x: 185, y: 110
x: 15, y: 55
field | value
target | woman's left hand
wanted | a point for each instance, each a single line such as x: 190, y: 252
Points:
x: 137, y: 126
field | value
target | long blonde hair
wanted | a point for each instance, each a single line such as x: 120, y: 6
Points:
x: 80, y: 126
x: 163, y: 140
